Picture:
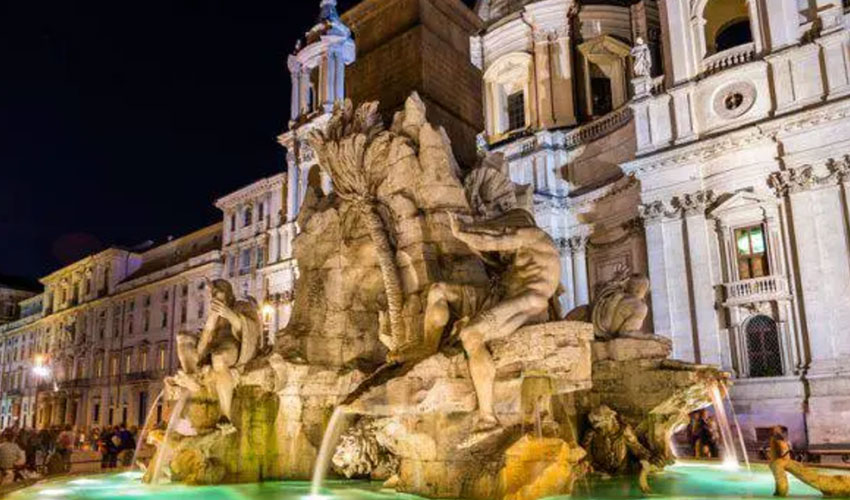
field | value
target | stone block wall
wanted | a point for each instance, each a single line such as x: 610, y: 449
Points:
x: 421, y: 45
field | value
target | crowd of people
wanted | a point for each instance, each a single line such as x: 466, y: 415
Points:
x: 29, y: 453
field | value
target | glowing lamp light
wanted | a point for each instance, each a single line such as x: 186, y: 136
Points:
x: 268, y: 309
x: 41, y: 371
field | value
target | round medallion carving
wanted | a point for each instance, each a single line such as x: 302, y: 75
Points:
x: 735, y: 99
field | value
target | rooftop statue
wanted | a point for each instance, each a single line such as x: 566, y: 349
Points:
x: 642, y: 59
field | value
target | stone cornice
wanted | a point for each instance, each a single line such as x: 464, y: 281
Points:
x: 251, y: 191
x: 711, y: 147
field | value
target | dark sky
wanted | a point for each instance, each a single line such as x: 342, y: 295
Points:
x: 123, y: 121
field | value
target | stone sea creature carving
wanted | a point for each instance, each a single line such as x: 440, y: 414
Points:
x: 613, y: 447
x: 229, y: 340
x: 781, y: 463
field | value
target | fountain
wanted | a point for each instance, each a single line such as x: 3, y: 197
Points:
x: 426, y: 318
x: 146, y: 427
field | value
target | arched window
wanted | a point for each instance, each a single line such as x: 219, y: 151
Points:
x: 508, y: 95
x: 736, y: 33
x: 763, y: 348
x: 727, y: 25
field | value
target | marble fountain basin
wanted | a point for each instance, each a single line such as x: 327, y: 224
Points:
x: 682, y: 481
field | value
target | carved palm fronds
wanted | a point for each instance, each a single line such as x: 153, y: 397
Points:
x: 354, y: 150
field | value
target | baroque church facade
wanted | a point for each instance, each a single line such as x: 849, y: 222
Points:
x: 703, y: 143
x: 720, y: 169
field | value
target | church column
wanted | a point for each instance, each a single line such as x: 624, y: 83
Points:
x: 329, y: 83
x: 295, y: 99
x: 702, y: 288
x: 304, y: 88
x: 339, y: 93
x: 578, y: 245
x: 291, y: 185
x: 569, y: 300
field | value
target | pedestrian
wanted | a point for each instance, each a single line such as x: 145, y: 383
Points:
x: 12, y: 459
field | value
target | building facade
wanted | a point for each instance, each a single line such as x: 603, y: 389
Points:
x: 93, y: 349
x: 257, y: 249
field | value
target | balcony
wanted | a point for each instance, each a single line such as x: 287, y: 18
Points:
x: 732, y: 57
x: 598, y: 128
x: 757, y: 290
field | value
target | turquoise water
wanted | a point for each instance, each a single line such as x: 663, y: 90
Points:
x: 683, y: 481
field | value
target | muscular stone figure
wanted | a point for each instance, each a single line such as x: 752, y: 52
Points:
x: 531, y: 278
x: 230, y: 339
x: 613, y: 447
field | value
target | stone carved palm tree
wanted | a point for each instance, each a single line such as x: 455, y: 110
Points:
x: 355, y: 150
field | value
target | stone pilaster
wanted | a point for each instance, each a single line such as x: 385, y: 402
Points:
x: 820, y: 237
x: 703, y: 298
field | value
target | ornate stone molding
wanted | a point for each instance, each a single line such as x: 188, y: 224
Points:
x: 804, y: 178
x: 655, y: 212
x: 578, y: 244
x: 694, y: 203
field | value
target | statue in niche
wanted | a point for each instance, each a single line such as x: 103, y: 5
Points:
x: 229, y: 340
x: 613, y: 447
x: 642, y: 59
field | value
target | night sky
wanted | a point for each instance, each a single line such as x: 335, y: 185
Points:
x: 122, y: 122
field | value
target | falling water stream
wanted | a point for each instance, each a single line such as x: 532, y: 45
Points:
x: 738, y: 428
x: 730, y: 453
x: 163, y: 448
x: 325, y: 452
x: 140, y: 439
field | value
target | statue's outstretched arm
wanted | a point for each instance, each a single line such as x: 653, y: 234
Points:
x: 487, y: 242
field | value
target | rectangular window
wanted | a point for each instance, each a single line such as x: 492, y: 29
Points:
x: 127, y: 362
x: 201, y: 309
x: 164, y: 322
x: 162, y: 359
x: 114, y: 368
x: 752, y: 253
x: 144, y: 361
x: 516, y: 111
x: 147, y: 321
x: 245, y: 261
x: 260, y: 257
x: 98, y: 367
x: 183, y: 315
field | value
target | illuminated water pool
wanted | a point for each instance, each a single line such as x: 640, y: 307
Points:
x: 679, y: 482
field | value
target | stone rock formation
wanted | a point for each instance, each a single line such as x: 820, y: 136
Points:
x: 425, y: 303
